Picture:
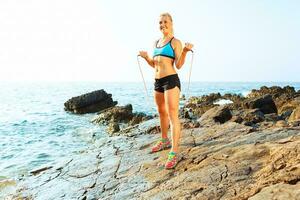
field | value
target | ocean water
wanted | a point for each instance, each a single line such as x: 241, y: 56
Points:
x: 36, y: 131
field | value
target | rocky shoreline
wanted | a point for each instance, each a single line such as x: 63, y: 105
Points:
x: 248, y: 149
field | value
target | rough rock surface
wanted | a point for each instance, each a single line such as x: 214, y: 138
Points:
x: 223, y: 161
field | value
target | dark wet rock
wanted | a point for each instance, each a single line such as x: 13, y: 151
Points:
x: 265, y: 104
x: 116, y: 114
x: 272, y: 117
x: 120, y: 114
x: 90, y: 102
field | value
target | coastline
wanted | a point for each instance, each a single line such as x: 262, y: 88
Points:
x: 228, y: 160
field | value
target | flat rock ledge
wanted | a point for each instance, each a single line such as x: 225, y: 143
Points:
x: 222, y: 161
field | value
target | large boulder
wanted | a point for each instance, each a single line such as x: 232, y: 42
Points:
x: 90, y: 102
x: 265, y: 104
x: 251, y: 116
x: 218, y: 114
x: 119, y: 114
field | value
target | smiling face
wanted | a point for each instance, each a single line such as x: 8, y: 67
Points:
x: 165, y: 24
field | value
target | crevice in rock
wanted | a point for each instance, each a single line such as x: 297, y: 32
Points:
x: 60, y: 173
x: 85, y: 175
x: 195, y: 192
x: 117, y: 150
x: 194, y: 140
x: 224, y: 174
x: 115, y: 173
x: 294, y: 181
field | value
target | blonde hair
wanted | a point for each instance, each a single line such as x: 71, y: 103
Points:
x: 166, y: 14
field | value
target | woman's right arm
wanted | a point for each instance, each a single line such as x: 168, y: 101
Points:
x: 149, y: 60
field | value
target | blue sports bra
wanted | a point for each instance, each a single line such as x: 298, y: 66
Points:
x: 166, y: 50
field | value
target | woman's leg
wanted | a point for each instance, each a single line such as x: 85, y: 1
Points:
x: 172, y: 105
x: 163, y: 115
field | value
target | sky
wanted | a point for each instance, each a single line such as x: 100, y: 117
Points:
x: 72, y: 40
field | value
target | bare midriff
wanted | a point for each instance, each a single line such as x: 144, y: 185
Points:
x: 163, y: 66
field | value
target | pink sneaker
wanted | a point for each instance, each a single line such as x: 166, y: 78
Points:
x: 173, y: 159
x: 161, y: 145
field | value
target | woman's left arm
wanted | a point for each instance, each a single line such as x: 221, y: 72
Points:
x: 180, y: 53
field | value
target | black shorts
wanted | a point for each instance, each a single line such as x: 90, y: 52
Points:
x: 167, y: 83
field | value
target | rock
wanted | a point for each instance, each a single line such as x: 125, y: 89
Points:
x: 138, y: 118
x: 274, y: 91
x: 116, y: 114
x: 295, y: 116
x: 294, y: 123
x: 219, y: 114
x: 280, y: 191
x: 120, y: 114
x: 190, y: 124
x: 281, y: 123
x: 272, y: 117
x: 265, y: 104
x: 196, y: 106
x: 153, y: 130
x: 90, y: 102
x: 249, y: 117
x: 113, y: 128
x: 285, y: 98
x: 237, y: 119
x: 286, y: 114
x: 234, y: 97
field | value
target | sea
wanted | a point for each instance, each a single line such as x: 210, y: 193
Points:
x: 36, y: 131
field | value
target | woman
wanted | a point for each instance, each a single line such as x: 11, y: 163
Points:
x: 167, y: 52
